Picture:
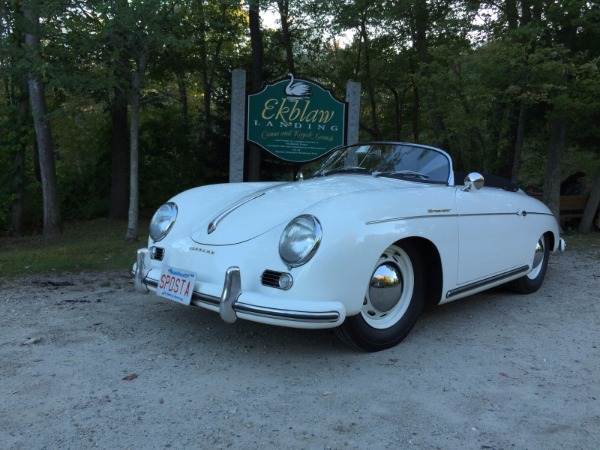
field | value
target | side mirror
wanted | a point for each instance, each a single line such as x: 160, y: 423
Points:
x: 473, y: 182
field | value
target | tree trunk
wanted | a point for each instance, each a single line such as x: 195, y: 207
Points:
x: 133, y: 214
x: 207, y: 98
x: 136, y: 87
x: 256, y: 43
x: 398, y: 103
x: 284, y: 6
x: 553, y: 164
x: 208, y: 69
x: 18, y: 184
x: 358, y: 62
x: 419, y: 32
x: 519, y: 144
x: 203, y: 54
x: 559, y: 123
x: 512, y: 14
x: 416, y: 110
x: 183, y: 97
x: 37, y: 97
x: 420, y: 42
x: 592, y: 207
x: 375, y: 131
x: 119, y: 133
x: 525, y: 12
x: 46, y: 157
x: 257, y: 79
x: 119, y: 159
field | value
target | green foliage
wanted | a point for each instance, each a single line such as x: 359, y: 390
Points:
x: 82, y: 158
x: 453, y: 74
x: 9, y: 143
x: 170, y: 162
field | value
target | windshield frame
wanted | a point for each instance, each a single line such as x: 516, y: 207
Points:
x: 352, y: 164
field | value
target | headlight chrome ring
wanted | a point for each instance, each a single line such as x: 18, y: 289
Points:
x: 300, y: 240
x: 163, y: 221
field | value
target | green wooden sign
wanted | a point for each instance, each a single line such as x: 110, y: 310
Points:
x: 296, y: 120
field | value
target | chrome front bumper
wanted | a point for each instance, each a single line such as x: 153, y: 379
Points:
x: 562, y: 245
x: 230, y: 307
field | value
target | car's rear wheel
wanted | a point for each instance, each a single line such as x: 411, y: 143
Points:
x: 535, y: 277
x: 393, y: 301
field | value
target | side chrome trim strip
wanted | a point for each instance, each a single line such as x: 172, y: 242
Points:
x: 533, y: 213
x: 439, y: 216
x: 396, y: 219
x: 516, y: 213
x: 485, y: 282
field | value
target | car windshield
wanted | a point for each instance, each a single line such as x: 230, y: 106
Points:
x: 396, y: 160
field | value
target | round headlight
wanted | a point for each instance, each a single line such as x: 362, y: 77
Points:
x: 162, y: 221
x: 300, y: 240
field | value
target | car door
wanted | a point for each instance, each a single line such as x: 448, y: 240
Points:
x: 491, y: 240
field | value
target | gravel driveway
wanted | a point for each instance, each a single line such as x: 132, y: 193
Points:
x: 85, y: 361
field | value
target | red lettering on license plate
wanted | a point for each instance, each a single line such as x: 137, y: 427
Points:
x: 176, y: 284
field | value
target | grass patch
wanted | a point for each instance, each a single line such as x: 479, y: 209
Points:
x: 96, y: 245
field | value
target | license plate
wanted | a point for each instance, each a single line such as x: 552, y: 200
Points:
x: 176, y: 284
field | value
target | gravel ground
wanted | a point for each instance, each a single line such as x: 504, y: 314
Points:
x: 85, y: 361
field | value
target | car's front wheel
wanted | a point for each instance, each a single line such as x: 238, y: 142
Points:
x: 393, y: 301
x: 534, y: 279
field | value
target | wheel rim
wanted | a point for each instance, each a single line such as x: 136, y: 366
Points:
x: 538, y: 259
x: 390, y: 289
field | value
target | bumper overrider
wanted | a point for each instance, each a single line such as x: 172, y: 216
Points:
x: 231, y: 305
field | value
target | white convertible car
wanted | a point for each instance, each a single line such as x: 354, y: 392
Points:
x: 379, y: 231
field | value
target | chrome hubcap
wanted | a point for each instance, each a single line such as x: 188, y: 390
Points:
x: 390, y: 289
x: 538, y: 259
x: 385, y: 287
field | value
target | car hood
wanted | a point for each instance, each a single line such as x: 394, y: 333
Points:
x: 265, y: 208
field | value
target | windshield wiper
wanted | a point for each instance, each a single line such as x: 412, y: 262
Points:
x: 353, y: 169
x: 402, y: 174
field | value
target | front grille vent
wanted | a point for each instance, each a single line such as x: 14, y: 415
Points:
x: 279, y: 280
x: 157, y: 253
x: 271, y: 278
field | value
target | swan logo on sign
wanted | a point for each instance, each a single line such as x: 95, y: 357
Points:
x: 295, y: 90
x: 297, y: 120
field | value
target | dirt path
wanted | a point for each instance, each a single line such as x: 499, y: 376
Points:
x: 85, y: 362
